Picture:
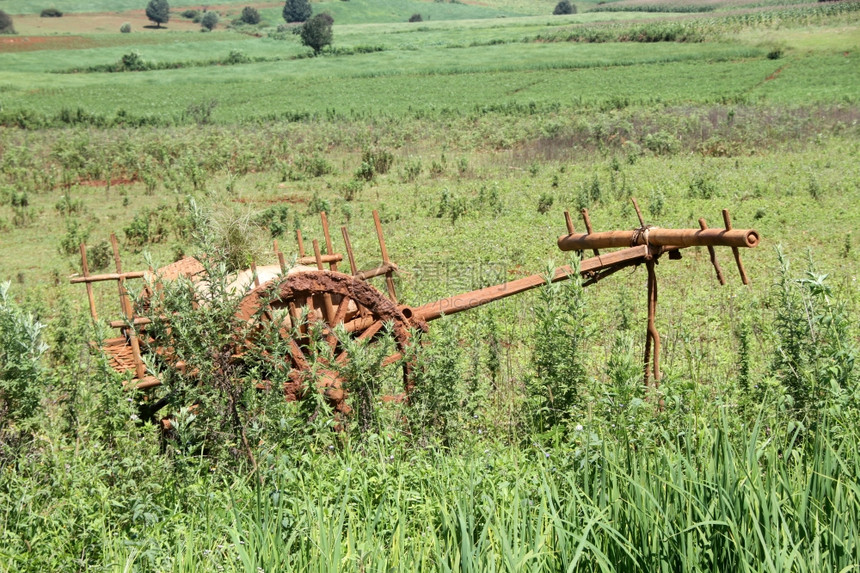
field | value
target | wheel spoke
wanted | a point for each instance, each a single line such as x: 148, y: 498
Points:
x: 342, y: 309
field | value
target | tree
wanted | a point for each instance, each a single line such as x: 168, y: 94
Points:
x: 6, y: 26
x: 250, y: 15
x: 416, y: 18
x: 158, y: 11
x: 297, y: 11
x: 564, y: 7
x: 209, y: 20
x: 316, y: 32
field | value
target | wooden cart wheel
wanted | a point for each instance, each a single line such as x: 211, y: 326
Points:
x: 327, y: 299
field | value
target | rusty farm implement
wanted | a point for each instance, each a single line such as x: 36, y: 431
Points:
x: 307, y: 302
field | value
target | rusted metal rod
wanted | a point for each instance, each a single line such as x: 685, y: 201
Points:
x: 382, y: 269
x: 727, y: 219
x: 660, y: 237
x: 466, y: 301
x: 713, y: 254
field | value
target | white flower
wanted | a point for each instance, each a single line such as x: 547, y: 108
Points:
x: 578, y: 427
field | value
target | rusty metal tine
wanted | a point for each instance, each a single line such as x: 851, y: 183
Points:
x: 128, y: 311
x: 318, y: 255
x: 328, y: 244
x: 569, y: 222
x: 281, y: 262
x: 704, y: 225
x: 86, y: 269
x: 301, y: 242
x: 588, y: 228
x: 328, y: 306
x: 389, y: 281
x: 638, y: 212
x: 254, y: 274
x: 727, y: 219
x: 652, y: 337
x: 352, y: 266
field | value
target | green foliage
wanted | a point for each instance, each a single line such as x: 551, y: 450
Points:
x: 316, y: 32
x: 132, y: 62
x: 125, y: 28
x: 190, y: 14
x: 560, y: 337
x: 438, y: 391
x: 564, y: 7
x: 277, y: 219
x: 76, y: 233
x: 99, y: 256
x: 815, y: 352
x: 51, y: 13
x: 297, y: 11
x: 250, y: 16
x: 148, y: 226
x: 416, y: 18
x: 545, y: 201
x: 21, y: 348
x: 318, y: 204
x: 6, y: 24
x: 158, y: 11
x: 209, y: 20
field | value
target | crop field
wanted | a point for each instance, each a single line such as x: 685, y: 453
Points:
x: 530, y: 441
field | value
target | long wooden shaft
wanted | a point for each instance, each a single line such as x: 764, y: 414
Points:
x: 328, y: 244
x: 128, y: 311
x: 466, y: 301
x: 86, y: 268
x: 660, y: 238
x: 87, y: 278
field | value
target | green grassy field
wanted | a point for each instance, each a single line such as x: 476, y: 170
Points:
x: 531, y: 443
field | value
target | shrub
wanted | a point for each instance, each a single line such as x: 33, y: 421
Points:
x: 131, y: 62
x: 99, y: 255
x: 564, y: 7
x: 125, y: 28
x: 158, y: 11
x: 190, y: 14
x: 6, y: 26
x: 559, y: 341
x: 416, y: 18
x: 209, y: 21
x: 316, y: 32
x: 380, y: 159
x: 315, y: 166
x: 545, y: 202
x: 297, y: 11
x: 276, y: 219
x: 250, y: 15
x: 21, y: 347
x: 51, y: 13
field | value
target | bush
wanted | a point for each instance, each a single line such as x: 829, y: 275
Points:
x: 21, y: 347
x: 51, y: 13
x: 316, y: 32
x: 125, y: 28
x: 250, y: 15
x: 131, y: 62
x: 190, y: 14
x: 209, y: 21
x: 6, y: 26
x: 416, y: 18
x: 297, y: 11
x: 564, y: 7
x: 158, y: 11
